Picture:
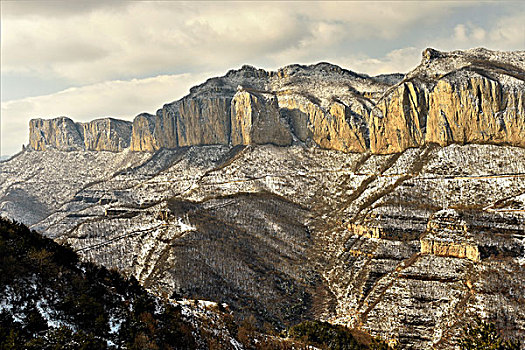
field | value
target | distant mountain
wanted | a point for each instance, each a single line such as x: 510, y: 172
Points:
x: 472, y: 96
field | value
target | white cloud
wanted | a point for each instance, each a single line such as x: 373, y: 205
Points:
x: 120, y: 99
x: 469, y: 33
x: 396, y: 61
x: 507, y: 33
x: 57, y: 8
x: 98, y: 42
x: 460, y: 33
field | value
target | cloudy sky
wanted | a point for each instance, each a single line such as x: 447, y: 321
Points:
x: 90, y: 59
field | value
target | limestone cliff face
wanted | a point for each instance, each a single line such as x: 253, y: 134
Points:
x: 473, y: 96
x: 152, y: 132
x: 166, y: 130
x: 63, y: 134
x: 143, y: 136
x: 475, y: 109
x: 203, y: 121
x: 458, y: 97
x: 336, y: 127
x: 398, y: 121
x: 106, y: 134
x: 255, y: 119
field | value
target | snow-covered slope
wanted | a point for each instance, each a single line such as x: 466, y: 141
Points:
x: 286, y: 233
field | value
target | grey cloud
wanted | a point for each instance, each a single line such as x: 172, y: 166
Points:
x: 156, y: 37
x: 60, y: 8
x: 54, y: 53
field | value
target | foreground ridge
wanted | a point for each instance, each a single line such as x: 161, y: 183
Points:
x: 472, y: 96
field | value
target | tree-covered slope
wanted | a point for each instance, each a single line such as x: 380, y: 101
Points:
x: 51, y: 300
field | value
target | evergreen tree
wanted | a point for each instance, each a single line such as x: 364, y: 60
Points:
x: 481, y: 335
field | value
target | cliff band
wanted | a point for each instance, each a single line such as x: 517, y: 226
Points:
x: 473, y: 96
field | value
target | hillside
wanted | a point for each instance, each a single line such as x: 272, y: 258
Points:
x: 293, y: 233
x: 51, y: 300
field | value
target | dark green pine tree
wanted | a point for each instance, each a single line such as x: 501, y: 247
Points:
x: 481, y: 335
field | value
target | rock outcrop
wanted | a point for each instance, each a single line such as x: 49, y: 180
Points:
x: 255, y: 119
x: 448, y: 235
x: 472, y: 108
x: 106, y: 134
x: 144, y: 137
x: 337, y: 127
x: 63, y: 134
x: 203, y: 121
x: 398, y: 120
x: 473, y: 96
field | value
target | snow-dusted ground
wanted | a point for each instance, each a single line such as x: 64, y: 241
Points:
x: 270, y: 224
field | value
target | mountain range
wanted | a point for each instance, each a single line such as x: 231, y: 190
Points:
x: 393, y: 204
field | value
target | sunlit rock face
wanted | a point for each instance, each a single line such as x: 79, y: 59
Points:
x: 473, y: 96
x: 203, y: 122
x: 144, y: 137
x: 106, y: 135
x: 63, y: 134
x: 256, y: 120
x: 448, y: 235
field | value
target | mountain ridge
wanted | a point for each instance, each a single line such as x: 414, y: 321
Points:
x: 471, y: 96
x: 409, y: 246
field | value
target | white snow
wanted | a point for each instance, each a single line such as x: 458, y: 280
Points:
x: 114, y: 324
x: 185, y: 226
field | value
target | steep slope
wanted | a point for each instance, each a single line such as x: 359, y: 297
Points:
x: 49, y: 299
x: 287, y: 233
x: 34, y: 185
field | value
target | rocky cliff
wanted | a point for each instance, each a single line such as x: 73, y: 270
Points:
x: 473, y: 96
x: 63, y: 134
x: 256, y: 120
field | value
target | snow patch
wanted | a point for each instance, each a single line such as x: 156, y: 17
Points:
x: 185, y: 226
